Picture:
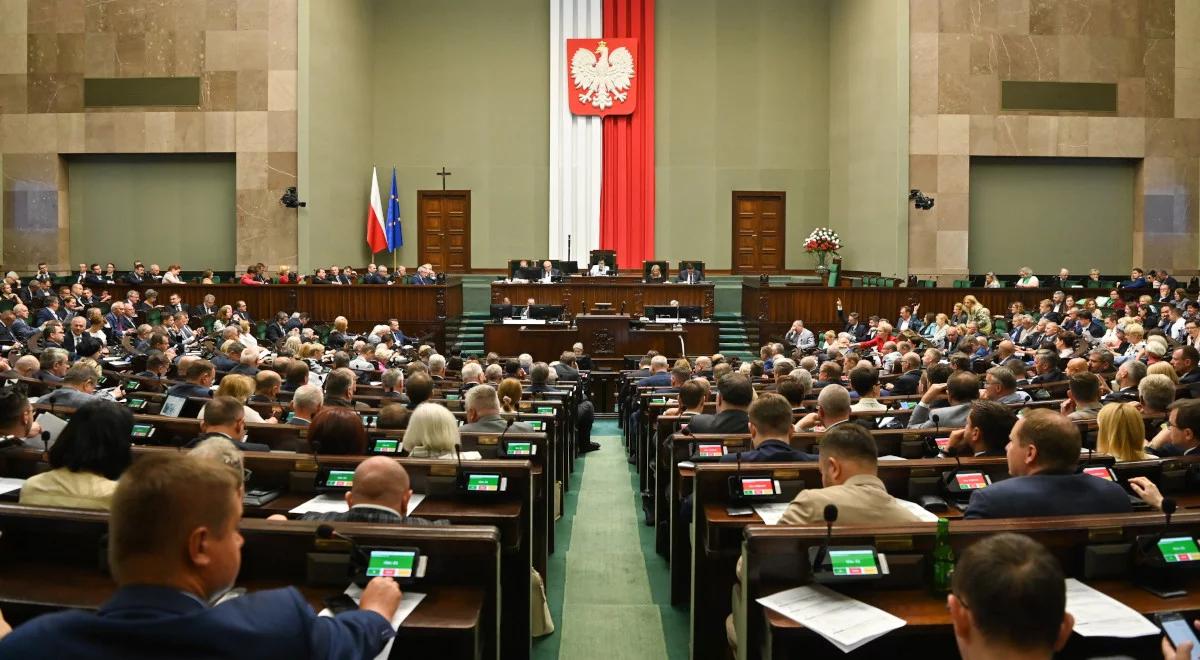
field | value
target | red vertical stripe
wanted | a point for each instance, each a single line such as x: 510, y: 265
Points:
x: 627, y: 188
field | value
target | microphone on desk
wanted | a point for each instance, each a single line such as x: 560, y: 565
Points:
x: 1168, y: 509
x: 831, y: 516
x: 328, y: 533
x: 937, y: 425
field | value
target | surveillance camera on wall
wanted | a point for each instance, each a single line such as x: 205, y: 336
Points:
x: 920, y: 200
x: 291, y: 200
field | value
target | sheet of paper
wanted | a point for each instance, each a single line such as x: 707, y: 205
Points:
x: 414, y: 502
x: 771, y: 512
x: 1099, y: 615
x: 52, y: 423
x: 847, y: 623
x: 892, y: 457
x: 325, y: 503
x: 408, y: 602
x: 8, y: 485
x: 917, y: 510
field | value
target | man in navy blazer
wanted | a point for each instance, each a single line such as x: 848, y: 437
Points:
x: 174, y: 547
x: 1043, y: 452
x: 770, y: 426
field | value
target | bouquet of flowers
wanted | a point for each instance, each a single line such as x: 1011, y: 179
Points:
x: 822, y: 240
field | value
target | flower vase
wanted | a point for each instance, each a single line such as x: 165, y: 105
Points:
x: 822, y: 268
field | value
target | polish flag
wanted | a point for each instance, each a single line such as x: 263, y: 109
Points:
x: 376, y: 232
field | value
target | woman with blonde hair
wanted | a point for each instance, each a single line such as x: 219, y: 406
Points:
x: 978, y: 314
x: 432, y: 432
x: 292, y: 344
x: 245, y: 335
x: 1135, y: 334
x: 285, y: 275
x: 958, y: 315
x: 509, y: 393
x: 312, y: 351
x: 337, y: 338
x: 239, y: 387
x: 1163, y: 369
x: 1121, y: 433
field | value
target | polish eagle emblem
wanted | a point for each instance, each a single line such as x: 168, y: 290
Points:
x: 602, y: 79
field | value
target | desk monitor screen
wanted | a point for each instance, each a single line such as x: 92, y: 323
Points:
x: 339, y: 479
x: 136, y: 403
x: 1179, y: 549
x: 520, y: 448
x: 760, y: 487
x: 942, y: 443
x: 143, y: 430
x: 173, y: 406
x: 391, y: 563
x: 710, y: 449
x: 501, y: 312
x: 545, y: 312
x: 967, y: 481
x: 853, y: 561
x: 1101, y: 472
x: 663, y: 312
x: 536, y: 424
x: 690, y: 312
x: 386, y: 446
x: 486, y: 483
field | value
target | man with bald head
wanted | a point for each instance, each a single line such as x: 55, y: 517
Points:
x: 380, y: 495
x: 1076, y: 366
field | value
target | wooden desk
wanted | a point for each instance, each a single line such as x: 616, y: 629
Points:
x: 770, y: 566
x: 579, y: 294
x: 775, y: 306
x: 608, y: 339
x: 457, y: 618
x: 420, y: 309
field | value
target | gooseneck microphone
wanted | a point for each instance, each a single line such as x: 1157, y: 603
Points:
x: 831, y: 516
x: 328, y: 533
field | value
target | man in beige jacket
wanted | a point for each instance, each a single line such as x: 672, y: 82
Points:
x: 849, y: 464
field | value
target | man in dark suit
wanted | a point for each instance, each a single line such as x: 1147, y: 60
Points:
x: 734, y: 394
x: 1046, y: 366
x: 1137, y: 280
x: 1060, y: 281
x: 320, y: 277
x: 96, y: 277
x: 986, y: 432
x: 770, y: 419
x: 175, y: 304
x: 47, y: 313
x: 43, y: 273
x: 337, y: 277
x: 1185, y: 360
x: 852, y: 323
x: 229, y: 359
x: 137, y: 275
x: 1129, y: 374
x: 1182, y: 438
x: 398, y: 335
x: 566, y: 368
x: 199, y: 375
x: 380, y: 495
x: 174, y: 546
x: 689, y: 274
x: 660, y: 375
x: 373, y: 276
x: 225, y: 417
x: 910, y: 379
x: 277, y: 330
x: 548, y: 272
x: 76, y: 334
x: 1043, y: 454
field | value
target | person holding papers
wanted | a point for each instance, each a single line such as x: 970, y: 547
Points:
x: 849, y: 463
x: 1043, y: 452
x: 174, y: 547
x: 1009, y: 600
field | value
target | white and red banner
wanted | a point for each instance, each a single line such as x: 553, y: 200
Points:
x: 376, y: 231
x: 602, y: 129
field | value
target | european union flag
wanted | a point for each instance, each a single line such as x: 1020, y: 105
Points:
x: 395, y: 236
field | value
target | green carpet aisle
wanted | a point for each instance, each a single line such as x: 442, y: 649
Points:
x: 607, y: 578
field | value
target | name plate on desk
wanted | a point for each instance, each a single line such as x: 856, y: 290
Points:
x: 524, y: 322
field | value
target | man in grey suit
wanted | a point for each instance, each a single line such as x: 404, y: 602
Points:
x: 483, y: 413
x: 962, y: 388
x: 1043, y: 452
x: 305, y: 403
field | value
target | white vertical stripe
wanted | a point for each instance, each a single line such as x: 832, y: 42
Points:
x: 576, y: 143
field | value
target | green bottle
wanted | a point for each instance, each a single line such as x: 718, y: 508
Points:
x: 943, y: 558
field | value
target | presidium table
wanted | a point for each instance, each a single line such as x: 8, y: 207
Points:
x: 608, y: 336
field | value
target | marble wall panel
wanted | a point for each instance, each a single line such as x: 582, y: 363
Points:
x: 961, y: 50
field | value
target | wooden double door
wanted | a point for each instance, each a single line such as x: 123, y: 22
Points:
x: 444, y: 229
x: 759, y: 223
